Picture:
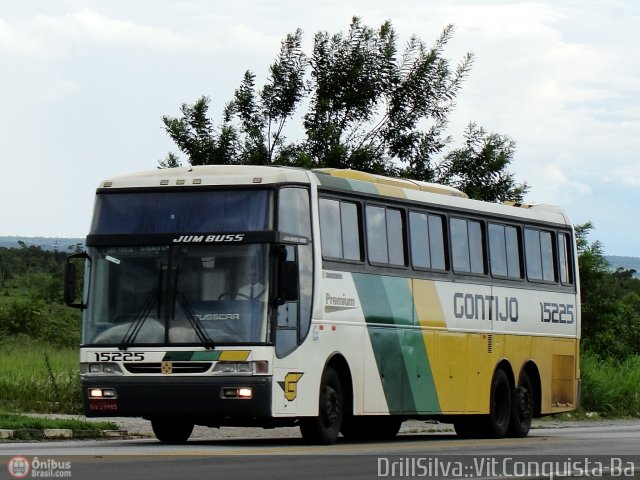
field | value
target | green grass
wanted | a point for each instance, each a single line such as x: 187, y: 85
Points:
x: 20, y: 422
x: 610, y: 387
x: 36, y: 377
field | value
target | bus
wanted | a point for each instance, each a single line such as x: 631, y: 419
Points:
x: 339, y: 301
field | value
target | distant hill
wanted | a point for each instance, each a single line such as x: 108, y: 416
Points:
x: 46, y: 243
x: 628, y: 263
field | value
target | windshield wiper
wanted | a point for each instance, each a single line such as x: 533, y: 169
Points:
x: 143, y: 314
x: 201, y: 332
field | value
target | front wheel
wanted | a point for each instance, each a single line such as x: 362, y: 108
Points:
x: 324, y: 428
x: 171, y: 431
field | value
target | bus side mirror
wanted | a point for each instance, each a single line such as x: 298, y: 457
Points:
x: 70, y: 282
x: 288, y: 279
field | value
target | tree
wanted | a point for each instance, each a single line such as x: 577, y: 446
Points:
x: 195, y: 136
x: 479, y: 168
x: 610, y: 302
x: 369, y: 108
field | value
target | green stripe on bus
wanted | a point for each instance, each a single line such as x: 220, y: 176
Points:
x: 333, y: 182
x: 364, y: 187
x: 191, y: 356
x: 401, y: 357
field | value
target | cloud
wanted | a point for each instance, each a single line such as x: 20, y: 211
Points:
x: 502, y: 21
x: 550, y: 184
x: 56, y: 35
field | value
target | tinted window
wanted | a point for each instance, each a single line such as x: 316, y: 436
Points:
x: 564, y: 248
x: 293, y: 216
x: 385, y: 235
x: 539, y: 255
x: 504, y: 251
x: 497, y: 250
x: 340, y: 229
x: 513, y: 252
x: 395, y: 236
x: 467, y: 246
x: 377, y: 235
x: 182, y: 212
x: 350, y: 231
x: 330, y: 228
x: 546, y: 250
x: 476, y: 247
x: 427, y: 241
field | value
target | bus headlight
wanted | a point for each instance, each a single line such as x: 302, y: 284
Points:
x: 90, y: 369
x: 102, y: 393
x: 260, y: 367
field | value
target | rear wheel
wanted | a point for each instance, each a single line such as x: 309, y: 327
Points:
x: 522, y: 408
x: 324, y: 428
x: 500, y: 413
x: 171, y: 431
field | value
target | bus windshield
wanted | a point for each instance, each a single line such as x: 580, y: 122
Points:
x: 150, y: 213
x: 183, y: 294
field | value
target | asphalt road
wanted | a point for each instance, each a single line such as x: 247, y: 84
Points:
x: 593, y: 451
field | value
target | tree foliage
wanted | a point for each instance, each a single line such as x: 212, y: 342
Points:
x: 479, y: 168
x: 370, y: 107
x: 610, y: 302
x: 31, y: 296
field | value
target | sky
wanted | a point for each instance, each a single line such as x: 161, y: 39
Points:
x: 85, y: 84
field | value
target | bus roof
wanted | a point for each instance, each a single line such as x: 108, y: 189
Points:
x: 208, y: 175
x: 335, y: 179
x: 435, y: 194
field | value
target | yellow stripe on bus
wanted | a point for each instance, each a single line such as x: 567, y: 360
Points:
x: 234, y: 355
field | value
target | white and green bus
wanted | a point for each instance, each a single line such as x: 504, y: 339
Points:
x: 336, y: 300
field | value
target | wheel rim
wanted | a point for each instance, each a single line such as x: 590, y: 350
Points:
x: 524, y: 404
x: 501, y: 404
x: 332, y: 408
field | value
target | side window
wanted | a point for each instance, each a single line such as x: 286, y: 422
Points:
x: 385, y: 235
x: 504, y: 251
x: 467, y: 246
x: 294, y: 318
x: 340, y: 229
x: 539, y: 254
x: 427, y: 241
x: 564, y: 259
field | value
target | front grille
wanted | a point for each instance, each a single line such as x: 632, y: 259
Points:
x: 176, y: 367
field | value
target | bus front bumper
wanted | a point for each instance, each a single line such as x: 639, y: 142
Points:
x: 220, y: 397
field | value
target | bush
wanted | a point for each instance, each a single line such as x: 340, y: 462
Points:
x: 609, y: 386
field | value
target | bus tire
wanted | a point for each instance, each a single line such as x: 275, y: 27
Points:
x: 500, y: 404
x: 324, y: 429
x: 171, y: 431
x: 522, y: 408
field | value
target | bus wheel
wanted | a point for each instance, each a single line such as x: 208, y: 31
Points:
x: 324, y: 428
x: 500, y: 404
x: 522, y: 408
x: 171, y: 431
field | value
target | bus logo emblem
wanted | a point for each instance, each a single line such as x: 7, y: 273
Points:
x: 166, y: 368
x: 290, y: 385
